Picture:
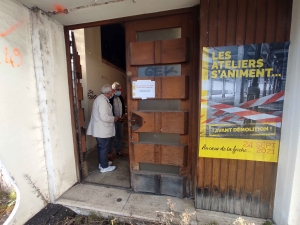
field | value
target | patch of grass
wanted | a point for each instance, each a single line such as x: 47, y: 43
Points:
x: 268, y: 222
x: 7, y: 202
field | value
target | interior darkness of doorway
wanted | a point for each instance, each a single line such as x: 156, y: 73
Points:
x: 113, y: 44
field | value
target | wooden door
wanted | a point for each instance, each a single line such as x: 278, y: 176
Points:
x: 162, y: 131
x: 77, y: 97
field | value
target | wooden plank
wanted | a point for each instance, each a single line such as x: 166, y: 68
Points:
x: 271, y: 21
x: 213, y: 23
x: 175, y: 87
x: 232, y: 164
x: 241, y: 164
x: 79, y: 92
x: 250, y: 25
x: 241, y: 21
x: 248, y: 194
x: 240, y: 185
x: 216, y: 163
x: 170, y: 122
x: 175, y: 155
x: 175, y: 51
x: 158, y: 52
x: 267, y: 172
x: 204, y: 164
x: 141, y: 53
x: 81, y: 117
x: 200, y: 183
x: 259, y: 166
x: 261, y: 21
x: 158, y: 87
x: 83, y: 143
x: 78, y: 66
x: 232, y: 177
x: 222, y: 17
x: 231, y: 22
x: 144, y: 152
x: 174, y: 122
x: 282, y: 7
x: 288, y: 20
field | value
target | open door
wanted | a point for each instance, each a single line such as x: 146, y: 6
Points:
x: 163, y: 127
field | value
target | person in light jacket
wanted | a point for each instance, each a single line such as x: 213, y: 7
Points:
x: 102, y: 127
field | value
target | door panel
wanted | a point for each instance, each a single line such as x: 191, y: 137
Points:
x: 160, y: 154
x: 173, y: 87
x: 159, y: 52
x: 165, y: 184
x: 161, y: 128
x: 160, y: 122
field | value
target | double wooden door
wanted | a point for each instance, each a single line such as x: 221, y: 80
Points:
x: 162, y: 55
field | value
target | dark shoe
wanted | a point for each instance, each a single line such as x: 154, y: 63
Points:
x: 110, y: 157
x: 121, y: 154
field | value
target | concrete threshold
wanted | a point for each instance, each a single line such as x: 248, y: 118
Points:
x: 127, y: 205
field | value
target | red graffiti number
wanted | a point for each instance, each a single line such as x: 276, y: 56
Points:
x: 11, y: 59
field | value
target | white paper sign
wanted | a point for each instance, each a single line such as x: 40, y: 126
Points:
x: 143, y: 89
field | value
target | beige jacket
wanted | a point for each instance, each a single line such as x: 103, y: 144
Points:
x: 102, y: 120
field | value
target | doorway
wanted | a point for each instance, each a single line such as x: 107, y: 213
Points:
x: 162, y: 127
x: 100, y: 61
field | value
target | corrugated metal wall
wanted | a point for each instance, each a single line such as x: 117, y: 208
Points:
x: 239, y: 186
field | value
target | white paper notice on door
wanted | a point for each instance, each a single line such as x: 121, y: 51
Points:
x: 143, y: 89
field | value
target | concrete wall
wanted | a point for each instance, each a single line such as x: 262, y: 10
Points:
x: 36, y: 143
x: 287, y: 196
x: 98, y: 73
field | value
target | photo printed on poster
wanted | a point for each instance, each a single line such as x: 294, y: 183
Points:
x: 242, y: 101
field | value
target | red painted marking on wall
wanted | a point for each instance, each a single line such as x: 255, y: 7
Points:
x: 15, y: 59
x: 59, y: 8
x: 11, y: 29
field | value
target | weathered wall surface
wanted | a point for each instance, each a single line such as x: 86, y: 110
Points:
x: 287, y: 196
x: 21, y: 139
x: 98, y: 73
x: 36, y: 143
x: 53, y: 96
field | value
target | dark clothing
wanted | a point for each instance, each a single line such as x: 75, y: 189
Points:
x: 111, y: 101
x: 103, y: 146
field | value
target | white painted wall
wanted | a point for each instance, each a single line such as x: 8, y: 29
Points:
x: 287, y: 195
x: 98, y: 73
x: 53, y: 95
x: 35, y: 124
x: 21, y: 139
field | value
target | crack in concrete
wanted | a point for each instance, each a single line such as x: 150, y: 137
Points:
x: 66, y: 11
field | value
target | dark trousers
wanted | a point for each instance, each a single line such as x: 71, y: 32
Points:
x: 103, y: 146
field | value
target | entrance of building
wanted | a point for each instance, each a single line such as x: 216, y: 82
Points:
x: 162, y: 127
x: 160, y: 54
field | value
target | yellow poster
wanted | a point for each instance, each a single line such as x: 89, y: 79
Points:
x: 242, y: 101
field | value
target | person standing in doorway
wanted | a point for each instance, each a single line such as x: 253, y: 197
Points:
x: 102, y: 127
x: 118, y: 105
